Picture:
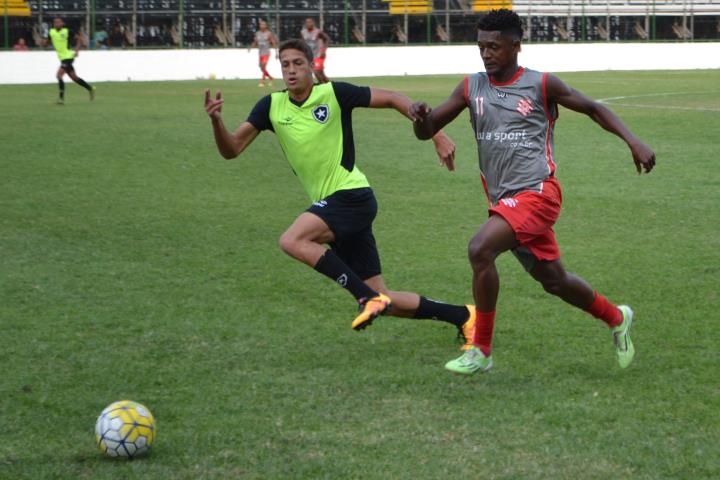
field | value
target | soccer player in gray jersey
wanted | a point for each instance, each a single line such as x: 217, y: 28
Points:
x: 513, y: 111
x: 318, y: 42
x: 264, y: 39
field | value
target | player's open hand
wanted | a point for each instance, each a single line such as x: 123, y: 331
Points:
x: 445, y: 149
x: 213, y: 107
x: 419, y: 111
x: 643, y: 156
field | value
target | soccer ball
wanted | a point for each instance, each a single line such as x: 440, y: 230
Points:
x: 125, y: 429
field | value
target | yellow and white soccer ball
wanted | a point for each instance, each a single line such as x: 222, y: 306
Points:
x: 125, y: 429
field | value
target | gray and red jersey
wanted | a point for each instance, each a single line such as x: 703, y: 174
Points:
x: 263, y: 41
x: 513, y: 123
x: 312, y: 38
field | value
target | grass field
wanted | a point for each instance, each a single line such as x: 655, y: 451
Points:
x: 136, y: 263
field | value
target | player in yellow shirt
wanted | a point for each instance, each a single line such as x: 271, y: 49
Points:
x: 59, y: 36
x: 334, y: 236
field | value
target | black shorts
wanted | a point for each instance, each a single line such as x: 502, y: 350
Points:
x: 349, y: 214
x: 67, y: 65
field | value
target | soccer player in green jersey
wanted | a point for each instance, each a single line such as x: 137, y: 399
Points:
x: 313, y: 124
x: 60, y: 37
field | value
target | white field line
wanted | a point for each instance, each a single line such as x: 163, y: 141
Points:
x: 610, y: 101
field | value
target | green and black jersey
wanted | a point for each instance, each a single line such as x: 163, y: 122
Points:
x: 316, y: 135
x: 60, y: 40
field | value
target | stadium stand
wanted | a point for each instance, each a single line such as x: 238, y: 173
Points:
x: 15, y: 8
x: 231, y: 23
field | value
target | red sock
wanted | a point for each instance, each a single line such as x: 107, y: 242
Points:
x: 266, y: 74
x: 484, y: 324
x: 605, y: 311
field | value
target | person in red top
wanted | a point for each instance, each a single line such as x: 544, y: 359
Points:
x: 20, y: 46
x: 513, y: 112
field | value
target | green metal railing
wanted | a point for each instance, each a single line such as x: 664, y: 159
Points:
x: 6, y: 25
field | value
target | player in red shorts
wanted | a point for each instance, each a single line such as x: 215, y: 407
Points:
x: 513, y: 112
x: 318, y: 42
x: 264, y: 39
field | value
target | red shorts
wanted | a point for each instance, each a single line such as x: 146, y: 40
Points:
x: 532, y: 216
x: 264, y: 58
x: 318, y: 63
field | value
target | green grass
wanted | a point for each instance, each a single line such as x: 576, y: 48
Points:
x: 136, y: 263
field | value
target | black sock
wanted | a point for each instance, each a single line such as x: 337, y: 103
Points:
x: 83, y: 84
x: 61, y: 86
x: 430, y: 309
x: 331, y: 266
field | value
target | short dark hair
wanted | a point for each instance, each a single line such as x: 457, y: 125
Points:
x: 297, y: 44
x: 503, y: 20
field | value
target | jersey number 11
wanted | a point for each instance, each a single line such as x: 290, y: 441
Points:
x: 479, y: 105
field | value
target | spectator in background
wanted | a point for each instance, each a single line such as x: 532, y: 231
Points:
x: 130, y: 37
x: 100, y: 39
x: 175, y: 34
x: 20, y: 46
x: 117, y: 37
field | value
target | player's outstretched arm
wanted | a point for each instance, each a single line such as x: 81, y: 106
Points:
x: 444, y: 146
x: 427, y: 122
x: 230, y: 145
x: 381, y: 98
x: 557, y: 90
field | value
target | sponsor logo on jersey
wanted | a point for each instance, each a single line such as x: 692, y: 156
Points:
x: 502, y: 136
x: 321, y: 113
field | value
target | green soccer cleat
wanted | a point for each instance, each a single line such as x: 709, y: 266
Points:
x: 470, y: 362
x: 621, y: 338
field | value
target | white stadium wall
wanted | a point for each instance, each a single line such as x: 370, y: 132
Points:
x: 144, y: 65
